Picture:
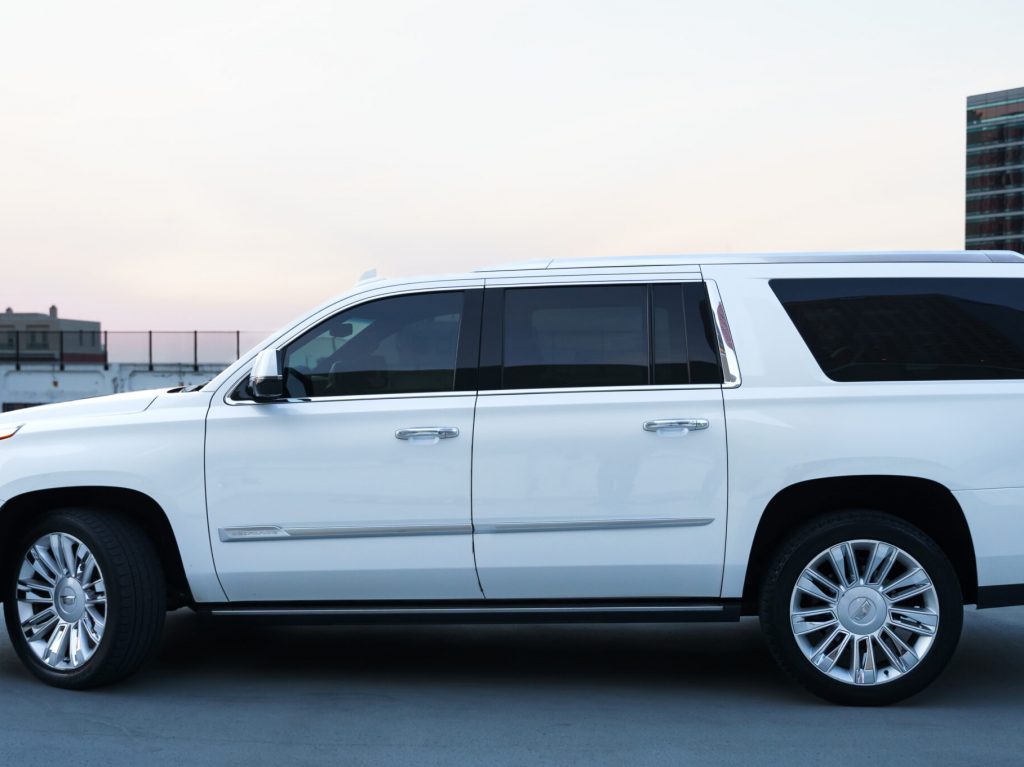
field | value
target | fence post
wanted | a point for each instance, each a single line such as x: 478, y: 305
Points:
x: 60, y: 334
x: 238, y: 344
x: 195, y: 350
x: 151, y: 350
x: 106, y: 350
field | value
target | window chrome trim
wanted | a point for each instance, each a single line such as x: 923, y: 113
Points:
x: 731, y: 378
x: 228, y: 400
x: 473, y: 393
x: 372, y: 292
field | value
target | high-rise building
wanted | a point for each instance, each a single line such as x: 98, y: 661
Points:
x: 995, y: 171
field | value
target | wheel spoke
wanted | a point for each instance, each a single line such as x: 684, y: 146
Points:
x: 39, y: 624
x: 911, y: 591
x: 88, y: 569
x: 908, y: 657
x: 878, y: 554
x: 887, y: 565
x: 802, y: 626
x: 43, y: 564
x: 812, y: 582
x: 864, y: 671
x: 844, y: 564
x: 908, y: 578
x: 76, y: 653
x: 826, y: 660
x: 57, y: 647
x: 45, y: 589
x: 67, y: 549
x: 923, y: 622
x: 57, y: 552
x: 90, y: 629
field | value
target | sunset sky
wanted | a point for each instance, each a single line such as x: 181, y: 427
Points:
x: 221, y: 165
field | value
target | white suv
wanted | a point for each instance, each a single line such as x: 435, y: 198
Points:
x: 832, y: 442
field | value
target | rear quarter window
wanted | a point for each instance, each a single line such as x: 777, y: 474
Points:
x: 904, y: 329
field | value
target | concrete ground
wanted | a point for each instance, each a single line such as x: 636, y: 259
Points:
x: 226, y: 694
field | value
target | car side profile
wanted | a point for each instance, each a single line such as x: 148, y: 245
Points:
x: 830, y: 442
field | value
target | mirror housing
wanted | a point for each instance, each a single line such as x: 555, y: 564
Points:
x: 266, y: 381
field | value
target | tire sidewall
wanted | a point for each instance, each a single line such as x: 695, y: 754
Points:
x: 809, y: 543
x: 60, y: 522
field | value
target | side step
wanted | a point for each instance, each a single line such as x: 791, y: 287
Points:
x: 481, y: 611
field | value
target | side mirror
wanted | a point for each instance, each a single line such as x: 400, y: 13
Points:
x: 267, y: 378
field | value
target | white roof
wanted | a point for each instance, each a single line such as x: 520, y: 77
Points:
x: 920, y: 256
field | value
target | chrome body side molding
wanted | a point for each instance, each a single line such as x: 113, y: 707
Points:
x: 283, y: 533
x: 569, y: 525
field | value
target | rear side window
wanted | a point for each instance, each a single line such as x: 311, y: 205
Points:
x: 605, y: 335
x: 576, y: 336
x: 910, y: 329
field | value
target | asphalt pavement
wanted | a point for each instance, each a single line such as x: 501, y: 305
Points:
x: 226, y: 693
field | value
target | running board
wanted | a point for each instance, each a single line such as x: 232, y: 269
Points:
x: 480, y: 611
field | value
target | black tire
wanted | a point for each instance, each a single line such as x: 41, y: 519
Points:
x: 801, y: 549
x: 135, y: 596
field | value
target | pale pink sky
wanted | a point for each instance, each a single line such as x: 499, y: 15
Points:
x: 217, y: 165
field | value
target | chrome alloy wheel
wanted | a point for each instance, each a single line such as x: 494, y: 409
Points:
x: 62, y: 601
x: 864, y: 612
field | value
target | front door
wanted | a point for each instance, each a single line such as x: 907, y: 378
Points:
x: 357, y: 487
x: 599, y: 461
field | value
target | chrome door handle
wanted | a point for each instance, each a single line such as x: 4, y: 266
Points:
x: 676, y: 424
x: 428, y: 432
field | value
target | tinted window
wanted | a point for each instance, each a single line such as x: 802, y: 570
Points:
x: 601, y: 335
x: 396, y: 345
x: 670, y: 362
x: 576, y: 336
x: 702, y: 344
x: 910, y: 329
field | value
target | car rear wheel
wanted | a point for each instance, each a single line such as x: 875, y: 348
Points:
x: 84, y: 598
x: 861, y: 608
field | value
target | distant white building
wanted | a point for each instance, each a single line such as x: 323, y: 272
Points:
x: 45, y: 358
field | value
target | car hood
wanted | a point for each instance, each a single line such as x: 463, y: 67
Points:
x: 113, y: 404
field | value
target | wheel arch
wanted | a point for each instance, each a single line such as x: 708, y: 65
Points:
x: 133, y: 504
x: 924, y: 503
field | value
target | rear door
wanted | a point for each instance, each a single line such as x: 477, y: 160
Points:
x: 599, y: 455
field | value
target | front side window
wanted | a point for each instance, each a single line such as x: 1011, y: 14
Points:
x: 397, y: 345
x: 910, y: 329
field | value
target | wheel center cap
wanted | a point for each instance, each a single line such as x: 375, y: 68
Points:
x: 862, y: 610
x: 69, y: 600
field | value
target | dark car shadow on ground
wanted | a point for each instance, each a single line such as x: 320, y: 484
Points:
x: 723, y: 658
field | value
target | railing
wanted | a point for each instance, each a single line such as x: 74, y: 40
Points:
x: 190, y: 348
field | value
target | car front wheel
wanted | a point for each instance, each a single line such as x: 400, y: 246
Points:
x: 84, y: 599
